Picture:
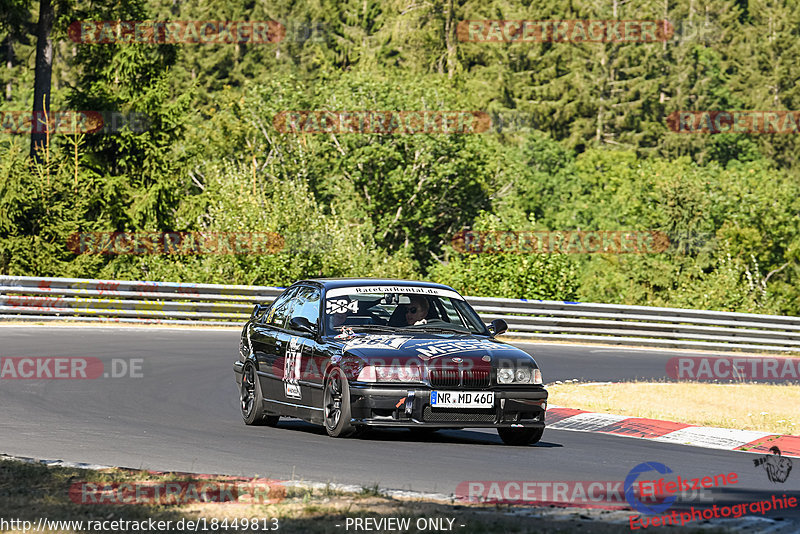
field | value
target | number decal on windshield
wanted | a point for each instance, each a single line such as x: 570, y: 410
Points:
x: 341, y: 306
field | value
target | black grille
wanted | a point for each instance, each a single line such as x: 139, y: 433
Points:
x: 444, y: 377
x: 457, y: 415
x: 475, y: 379
x: 469, y: 378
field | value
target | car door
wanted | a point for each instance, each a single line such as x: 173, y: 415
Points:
x: 300, y: 368
x: 265, y: 338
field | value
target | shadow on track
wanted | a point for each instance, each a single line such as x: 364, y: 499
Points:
x: 402, y: 435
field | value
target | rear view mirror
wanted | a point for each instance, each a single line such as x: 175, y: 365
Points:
x: 497, y: 327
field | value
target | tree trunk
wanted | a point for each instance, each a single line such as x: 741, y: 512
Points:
x: 450, y: 38
x: 43, y: 72
x: 9, y: 65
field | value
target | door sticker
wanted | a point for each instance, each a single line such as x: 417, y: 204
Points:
x: 291, y: 368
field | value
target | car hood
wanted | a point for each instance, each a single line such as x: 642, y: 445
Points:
x: 429, y: 349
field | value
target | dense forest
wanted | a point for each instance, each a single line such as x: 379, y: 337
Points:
x: 579, y: 140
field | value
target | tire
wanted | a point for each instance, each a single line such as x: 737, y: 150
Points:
x: 252, y: 401
x: 520, y: 436
x: 336, y: 405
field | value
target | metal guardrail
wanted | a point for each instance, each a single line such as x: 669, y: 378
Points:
x: 53, y: 299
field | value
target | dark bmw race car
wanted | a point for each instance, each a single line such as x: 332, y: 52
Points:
x: 357, y: 353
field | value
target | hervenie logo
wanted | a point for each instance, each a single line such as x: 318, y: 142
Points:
x: 777, y: 467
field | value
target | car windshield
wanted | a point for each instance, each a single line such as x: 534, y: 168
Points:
x: 399, y: 308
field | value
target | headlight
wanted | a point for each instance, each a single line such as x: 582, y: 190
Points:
x: 505, y: 376
x: 372, y: 373
x: 523, y: 376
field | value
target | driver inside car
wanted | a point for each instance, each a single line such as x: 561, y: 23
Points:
x: 338, y: 312
x: 338, y: 319
x: 417, y: 310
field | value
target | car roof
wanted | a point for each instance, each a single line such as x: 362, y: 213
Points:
x: 331, y: 283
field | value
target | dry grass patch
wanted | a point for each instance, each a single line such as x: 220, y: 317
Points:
x: 764, y: 407
x: 32, y: 491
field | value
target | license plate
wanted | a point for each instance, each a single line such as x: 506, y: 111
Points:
x: 462, y: 399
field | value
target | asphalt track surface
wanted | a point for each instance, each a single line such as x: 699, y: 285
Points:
x: 182, y: 415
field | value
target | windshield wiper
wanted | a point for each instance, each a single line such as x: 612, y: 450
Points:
x: 373, y: 327
x: 437, y: 328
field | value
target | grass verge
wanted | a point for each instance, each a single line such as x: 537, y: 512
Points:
x: 745, y: 406
x: 30, y: 491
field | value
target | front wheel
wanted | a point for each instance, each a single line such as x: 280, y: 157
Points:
x: 336, y: 405
x: 252, y: 401
x: 520, y: 436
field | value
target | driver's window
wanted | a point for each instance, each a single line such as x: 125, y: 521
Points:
x: 280, y: 309
x: 307, y: 305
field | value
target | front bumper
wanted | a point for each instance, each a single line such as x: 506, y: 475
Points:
x: 409, y: 406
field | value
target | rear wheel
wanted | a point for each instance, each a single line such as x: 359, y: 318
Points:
x: 520, y: 436
x: 336, y: 405
x: 252, y: 402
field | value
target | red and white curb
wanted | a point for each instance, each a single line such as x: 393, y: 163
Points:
x: 558, y: 418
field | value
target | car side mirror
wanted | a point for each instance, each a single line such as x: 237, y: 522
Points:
x: 497, y: 327
x: 257, y: 309
x: 301, y: 324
